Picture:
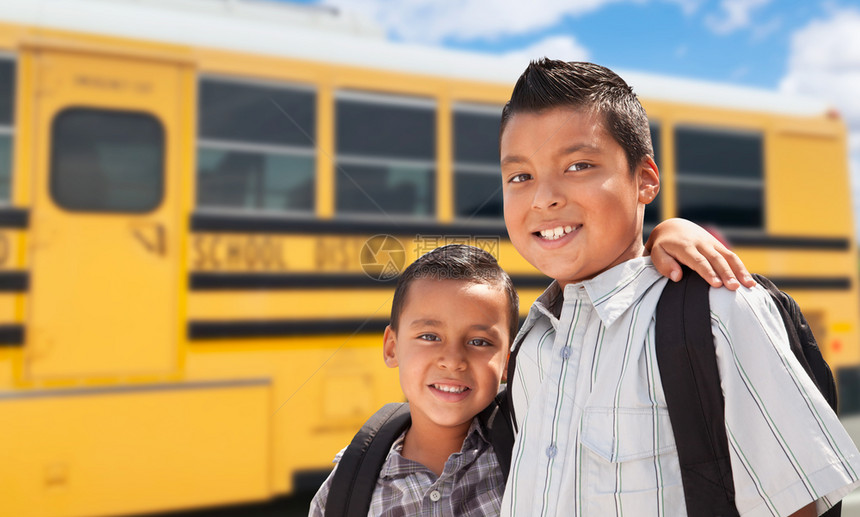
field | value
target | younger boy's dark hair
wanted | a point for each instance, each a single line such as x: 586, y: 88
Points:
x: 548, y: 83
x: 457, y: 262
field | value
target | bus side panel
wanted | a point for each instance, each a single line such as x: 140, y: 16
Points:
x: 112, y: 453
x: 808, y: 191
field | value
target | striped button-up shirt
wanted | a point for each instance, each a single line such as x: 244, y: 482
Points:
x: 470, y: 485
x: 594, y: 433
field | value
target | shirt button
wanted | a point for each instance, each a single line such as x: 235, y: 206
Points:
x: 565, y: 352
x: 551, y: 451
x: 435, y: 496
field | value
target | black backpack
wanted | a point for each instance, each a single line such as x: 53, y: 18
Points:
x: 691, y: 383
x: 355, y: 479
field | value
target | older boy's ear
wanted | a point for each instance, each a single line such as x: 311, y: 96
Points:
x: 649, y: 180
x: 505, y: 368
x: 389, y: 339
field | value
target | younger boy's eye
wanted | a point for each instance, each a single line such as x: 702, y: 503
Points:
x: 479, y: 342
x: 428, y: 337
x: 519, y: 178
x: 579, y: 166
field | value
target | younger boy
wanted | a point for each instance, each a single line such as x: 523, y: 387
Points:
x: 594, y: 434
x: 453, y: 317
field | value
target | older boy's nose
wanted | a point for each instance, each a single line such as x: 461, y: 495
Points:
x: 547, y: 194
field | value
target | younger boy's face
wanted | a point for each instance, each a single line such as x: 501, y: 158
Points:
x: 572, y: 207
x: 451, y: 347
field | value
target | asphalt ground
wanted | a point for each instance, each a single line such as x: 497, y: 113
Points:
x: 295, y: 506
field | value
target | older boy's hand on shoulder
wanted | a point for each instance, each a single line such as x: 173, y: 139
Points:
x: 678, y: 240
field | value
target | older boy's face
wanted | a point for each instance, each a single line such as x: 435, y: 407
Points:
x: 451, y: 347
x: 572, y: 207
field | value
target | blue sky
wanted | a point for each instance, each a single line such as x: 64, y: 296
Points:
x: 811, y: 47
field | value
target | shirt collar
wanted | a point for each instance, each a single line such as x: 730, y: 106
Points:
x: 611, y: 292
x: 396, y: 465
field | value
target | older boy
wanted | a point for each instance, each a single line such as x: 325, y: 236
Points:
x: 594, y: 435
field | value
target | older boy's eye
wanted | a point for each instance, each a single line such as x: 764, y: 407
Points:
x: 519, y: 178
x: 479, y: 342
x: 579, y: 166
x: 428, y: 337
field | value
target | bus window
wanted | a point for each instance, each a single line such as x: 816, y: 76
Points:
x: 652, y: 209
x: 386, y: 155
x: 477, y: 178
x: 107, y: 161
x: 256, y: 147
x: 7, y: 123
x: 720, y: 177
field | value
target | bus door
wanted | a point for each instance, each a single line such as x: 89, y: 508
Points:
x: 105, y: 216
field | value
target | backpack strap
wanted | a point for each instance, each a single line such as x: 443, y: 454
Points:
x: 496, y: 419
x: 509, y: 391
x: 358, y: 469
x: 691, y: 385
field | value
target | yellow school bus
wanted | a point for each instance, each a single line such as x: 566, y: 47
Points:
x: 204, y: 204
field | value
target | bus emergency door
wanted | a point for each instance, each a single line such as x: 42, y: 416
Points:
x: 105, y: 216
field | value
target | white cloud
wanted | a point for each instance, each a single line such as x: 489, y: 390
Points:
x: 431, y: 21
x: 736, y: 14
x: 825, y: 62
x: 565, y: 48
x: 434, y: 21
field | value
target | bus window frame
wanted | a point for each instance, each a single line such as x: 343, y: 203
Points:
x: 9, y: 129
x: 387, y: 99
x: 52, y: 162
x: 477, y: 168
x: 217, y: 144
x: 717, y: 181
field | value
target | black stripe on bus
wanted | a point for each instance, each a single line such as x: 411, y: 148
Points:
x: 206, y: 281
x: 253, y: 281
x: 261, y: 224
x: 206, y: 222
x: 11, y: 335
x: 283, y: 328
x: 812, y: 283
x: 14, y: 217
x: 218, y: 281
x: 806, y: 243
x: 14, y: 281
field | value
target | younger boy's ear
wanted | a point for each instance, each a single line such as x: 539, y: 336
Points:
x: 649, y: 180
x: 389, y: 339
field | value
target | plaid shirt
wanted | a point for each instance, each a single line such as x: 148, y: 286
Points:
x: 471, y: 483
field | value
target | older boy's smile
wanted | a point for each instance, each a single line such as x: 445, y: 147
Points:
x: 557, y: 232
x: 573, y: 208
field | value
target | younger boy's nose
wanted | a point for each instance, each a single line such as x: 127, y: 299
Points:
x: 452, y: 358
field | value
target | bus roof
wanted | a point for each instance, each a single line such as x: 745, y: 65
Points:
x: 328, y: 35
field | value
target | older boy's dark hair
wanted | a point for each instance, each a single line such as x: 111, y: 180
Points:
x: 457, y: 262
x: 548, y: 83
